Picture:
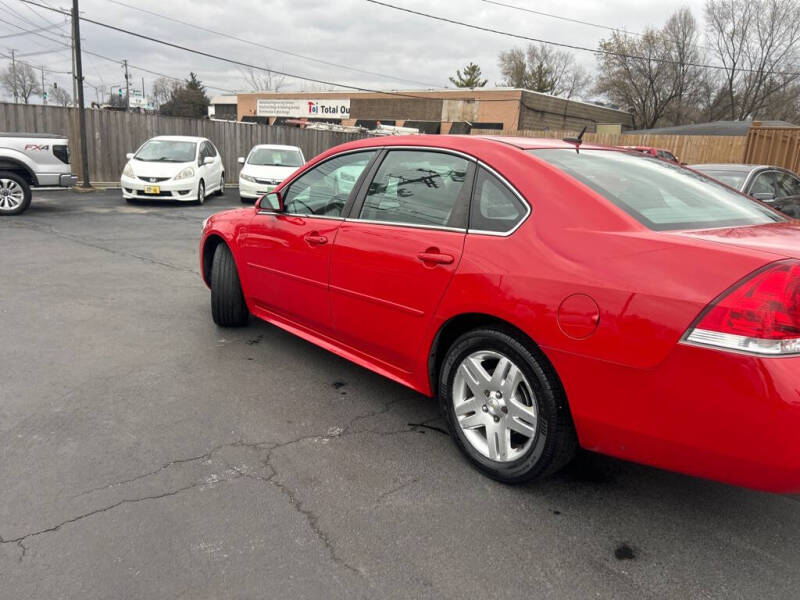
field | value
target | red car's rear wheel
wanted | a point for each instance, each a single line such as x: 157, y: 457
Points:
x: 505, y: 407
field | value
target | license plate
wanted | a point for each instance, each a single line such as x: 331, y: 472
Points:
x: 152, y: 189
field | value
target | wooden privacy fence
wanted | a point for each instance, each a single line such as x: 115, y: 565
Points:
x: 112, y: 134
x: 773, y: 146
x: 691, y: 149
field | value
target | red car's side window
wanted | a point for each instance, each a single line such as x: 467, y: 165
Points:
x: 324, y: 189
x: 495, y: 208
x: 419, y: 187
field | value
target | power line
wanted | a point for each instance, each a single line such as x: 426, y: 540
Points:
x: 561, y: 18
x: 42, y: 17
x: 38, y: 52
x: 10, y: 35
x: 222, y: 58
x: 562, y: 44
x: 35, y: 66
x: 114, y: 60
x: 273, y: 49
x: 578, y: 21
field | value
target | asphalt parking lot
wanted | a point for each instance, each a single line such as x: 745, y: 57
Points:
x: 148, y: 454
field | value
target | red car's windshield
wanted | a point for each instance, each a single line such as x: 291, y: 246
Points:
x: 660, y: 195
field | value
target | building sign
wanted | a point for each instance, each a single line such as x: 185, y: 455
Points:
x: 338, y: 108
x: 137, y: 100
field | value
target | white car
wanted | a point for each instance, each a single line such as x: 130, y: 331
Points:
x: 266, y: 166
x: 172, y: 167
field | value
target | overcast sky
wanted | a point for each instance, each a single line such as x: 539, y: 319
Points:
x: 419, y: 52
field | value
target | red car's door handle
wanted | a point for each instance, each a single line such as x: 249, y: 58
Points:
x: 435, y: 258
x: 315, y: 239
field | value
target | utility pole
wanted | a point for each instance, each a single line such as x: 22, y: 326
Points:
x: 74, y: 80
x: 127, y: 85
x: 76, y: 41
x: 14, y: 75
x: 44, y: 89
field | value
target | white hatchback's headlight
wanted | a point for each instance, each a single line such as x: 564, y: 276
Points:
x: 247, y: 178
x: 185, y: 174
x: 128, y: 171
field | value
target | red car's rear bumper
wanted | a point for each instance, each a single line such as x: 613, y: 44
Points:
x: 730, y: 417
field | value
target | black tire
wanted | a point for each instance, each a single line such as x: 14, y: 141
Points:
x: 131, y: 201
x: 221, y: 190
x: 25, y: 202
x: 554, y: 443
x: 247, y: 200
x: 201, y: 192
x: 228, y: 307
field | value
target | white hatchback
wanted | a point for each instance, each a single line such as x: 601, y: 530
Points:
x: 265, y: 168
x: 171, y: 167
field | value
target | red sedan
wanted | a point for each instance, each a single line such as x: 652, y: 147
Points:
x: 551, y: 296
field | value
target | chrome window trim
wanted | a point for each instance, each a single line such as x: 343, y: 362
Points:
x: 407, y: 225
x: 297, y: 175
x: 418, y: 225
x: 514, y: 191
x: 303, y: 215
x: 464, y: 155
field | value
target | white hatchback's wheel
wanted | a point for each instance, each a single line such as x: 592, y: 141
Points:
x: 15, y: 194
x: 494, y: 406
x: 201, y: 192
x: 221, y: 190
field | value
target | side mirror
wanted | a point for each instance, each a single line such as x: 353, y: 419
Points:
x: 208, y: 160
x: 764, y: 196
x: 241, y: 160
x: 271, y: 201
x: 129, y: 155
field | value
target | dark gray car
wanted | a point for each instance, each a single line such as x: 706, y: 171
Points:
x: 778, y: 187
x: 764, y: 182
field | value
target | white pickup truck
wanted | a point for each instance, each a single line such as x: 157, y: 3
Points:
x: 31, y: 160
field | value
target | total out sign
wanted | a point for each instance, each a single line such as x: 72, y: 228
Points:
x: 337, y: 108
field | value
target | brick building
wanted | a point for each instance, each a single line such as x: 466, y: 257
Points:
x: 433, y: 111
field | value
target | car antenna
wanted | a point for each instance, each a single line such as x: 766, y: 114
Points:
x: 576, y: 140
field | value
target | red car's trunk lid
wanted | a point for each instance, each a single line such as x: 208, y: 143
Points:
x: 781, y: 239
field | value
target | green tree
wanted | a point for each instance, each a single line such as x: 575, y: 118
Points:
x: 470, y: 78
x: 187, y: 100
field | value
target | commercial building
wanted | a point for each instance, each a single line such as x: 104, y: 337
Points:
x: 434, y: 111
x: 223, y: 108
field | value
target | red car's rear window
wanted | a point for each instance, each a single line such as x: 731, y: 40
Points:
x: 658, y: 194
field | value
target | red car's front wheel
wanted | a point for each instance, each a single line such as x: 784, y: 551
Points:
x: 228, y: 307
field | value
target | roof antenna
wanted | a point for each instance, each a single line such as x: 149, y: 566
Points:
x: 576, y: 140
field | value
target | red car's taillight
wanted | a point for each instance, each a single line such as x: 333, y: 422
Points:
x: 760, y: 315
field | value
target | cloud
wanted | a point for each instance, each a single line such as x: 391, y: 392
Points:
x: 350, y: 32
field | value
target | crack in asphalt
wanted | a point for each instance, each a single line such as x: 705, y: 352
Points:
x: 311, y: 518
x: 22, y: 538
x: 396, y: 489
x: 178, y: 461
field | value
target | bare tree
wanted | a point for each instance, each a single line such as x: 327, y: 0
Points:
x: 756, y: 41
x: 163, y: 89
x: 541, y: 68
x: 20, y: 81
x: 263, y: 81
x: 59, y: 95
x: 636, y: 72
x: 691, y: 82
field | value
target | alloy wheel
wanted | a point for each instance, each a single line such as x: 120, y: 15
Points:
x: 11, y: 195
x: 495, y: 406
